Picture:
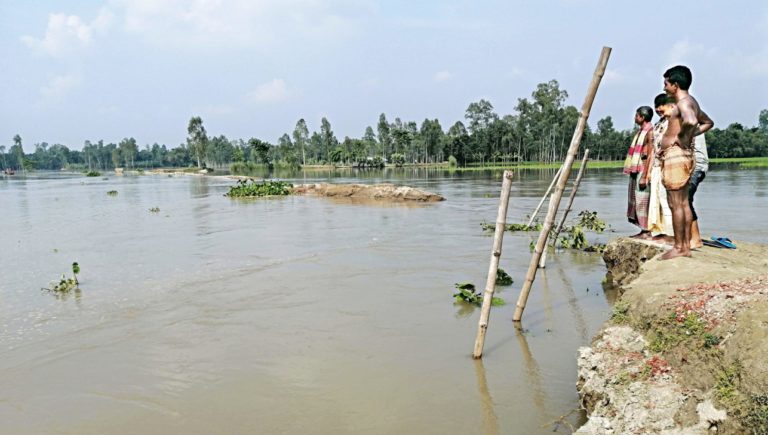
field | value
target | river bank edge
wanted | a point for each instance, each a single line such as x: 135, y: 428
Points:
x: 686, y: 348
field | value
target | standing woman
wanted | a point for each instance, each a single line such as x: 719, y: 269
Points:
x: 635, y: 166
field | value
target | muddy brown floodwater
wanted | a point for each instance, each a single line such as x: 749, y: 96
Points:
x: 299, y: 314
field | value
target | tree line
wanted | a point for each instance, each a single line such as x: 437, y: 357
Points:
x: 539, y: 130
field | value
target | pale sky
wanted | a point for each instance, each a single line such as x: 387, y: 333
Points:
x: 72, y: 71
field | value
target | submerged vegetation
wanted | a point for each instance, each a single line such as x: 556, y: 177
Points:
x: 251, y: 188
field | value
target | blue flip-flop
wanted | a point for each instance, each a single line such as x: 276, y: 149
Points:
x: 713, y: 244
x: 725, y: 241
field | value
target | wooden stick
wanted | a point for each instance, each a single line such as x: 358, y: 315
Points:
x: 554, y: 204
x: 543, y: 259
x: 490, y: 283
x: 536, y: 211
x: 576, y: 183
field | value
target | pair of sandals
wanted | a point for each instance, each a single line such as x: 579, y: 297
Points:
x: 720, y: 242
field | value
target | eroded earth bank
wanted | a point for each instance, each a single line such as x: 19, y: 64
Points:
x: 686, y: 349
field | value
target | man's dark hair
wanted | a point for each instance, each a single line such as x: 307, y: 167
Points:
x: 679, y: 75
x: 645, y: 112
x: 663, y: 99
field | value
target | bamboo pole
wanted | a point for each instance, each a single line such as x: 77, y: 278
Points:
x: 543, y: 259
x: 576, y: 183
x: 490, y: 283
x: 546, y: 194
x: 554, y: 204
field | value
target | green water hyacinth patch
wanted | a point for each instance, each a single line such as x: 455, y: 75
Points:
x: 469, y: 295
x: 251, y: 188
x: 536, y: 226
x: 503, y: 278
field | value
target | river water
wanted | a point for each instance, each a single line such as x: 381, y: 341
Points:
x: 300, y: 314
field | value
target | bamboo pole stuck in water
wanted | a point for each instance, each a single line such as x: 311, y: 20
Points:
x: 554, y: 204
x: 536, y: 211
x: 543, y: 259
x: 490, y: 283
x: 576, y: 183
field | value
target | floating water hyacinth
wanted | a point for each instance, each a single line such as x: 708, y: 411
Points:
x: 252, y: 188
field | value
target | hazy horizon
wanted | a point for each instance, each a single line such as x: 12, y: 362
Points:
x: 117, y: 68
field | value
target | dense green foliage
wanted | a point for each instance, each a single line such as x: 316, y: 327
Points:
x: 252, y: 188
x: 539, y: 130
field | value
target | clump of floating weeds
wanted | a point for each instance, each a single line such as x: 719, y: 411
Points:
x: 252, y: 188
x: 155, y: 209
x: 66, y: 285
x: 93, y: 174
x: 503, y: 278
x: 574, y: 237
x: 467, y: 293
x: 536, y: 226
x: 590, y: 220
x: 112, y: 193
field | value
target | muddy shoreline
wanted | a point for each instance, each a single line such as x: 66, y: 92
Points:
x: 686, y: 349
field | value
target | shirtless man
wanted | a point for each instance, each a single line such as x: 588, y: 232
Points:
x: 686, y: 120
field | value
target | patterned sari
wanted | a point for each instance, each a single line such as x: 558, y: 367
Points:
x: 637, y: 199
x: 659, y: 213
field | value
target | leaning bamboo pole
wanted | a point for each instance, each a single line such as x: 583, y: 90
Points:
x: 576, y: 183
x: 543, y: 259
x: 490, y: 283
x: 546, y: 194
x: 554, y: 204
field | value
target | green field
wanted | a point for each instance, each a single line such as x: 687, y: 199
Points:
x: 744, y: 162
